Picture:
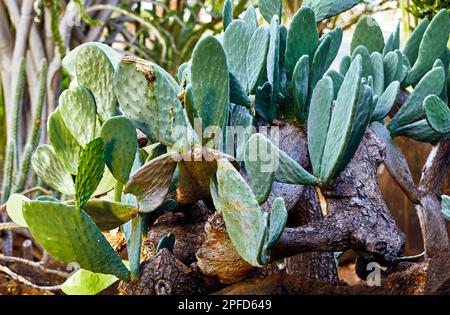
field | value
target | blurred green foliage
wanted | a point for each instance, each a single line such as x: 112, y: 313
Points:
x: 427, y: 8
x: 181, y: 23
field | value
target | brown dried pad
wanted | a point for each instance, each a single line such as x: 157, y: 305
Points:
x: 217, y: 256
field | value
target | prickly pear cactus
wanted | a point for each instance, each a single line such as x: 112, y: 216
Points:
x: 250, y: 75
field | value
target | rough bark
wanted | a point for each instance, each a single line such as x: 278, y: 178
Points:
x: 434, y: 232
x: 357, y: 216
x: 163, y: 274
x: 303, y: 205
x: 188, y: 227
x: 282, y: 284
x: 209, y: 242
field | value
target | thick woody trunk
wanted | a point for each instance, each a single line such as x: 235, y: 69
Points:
x: 304, y: 207
x: 204, y: 242
x: 357, y: 216
x: 434, y: 232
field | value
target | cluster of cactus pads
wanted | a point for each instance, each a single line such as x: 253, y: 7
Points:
x: 249, y: 73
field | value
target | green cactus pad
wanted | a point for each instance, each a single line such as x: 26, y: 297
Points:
x: 368, y: 33
x: 167, y: 242
x: 85, y: 282
x: 290, y: 172
x: 49, y: 168
x: 412, y: 46
x: 386, y: 101
x: 300, y: 84
x: 345, y: 65
x: 120, y: 145
x: 47, y: 198
x: 64, y: 144
x: 364, y: 112
x: 186, y: 75
x: 238, y: 95
x: 377, y: 72
x: 106, y: 184
x: 69, y: 61
x: 150, y: 183
x: 77, y: 108
x: 242, y: 122
x: 437, y: 113
x: 148, y: 97
x: 189, y: 105
x: 134, y: 244
x: 210, y: 83
x: 286, y: 170
x: 445, y: 205
x: 342, y: 121
x: 448, y: 84
x: 154, y: 150
x: 278, y: 220
x: 227, y: 13
x: 325, y: 9
x: 251, y: 18
x: 319, y: 121
x: 431, y: 47
x: 393, y: 41
x: 270, y: 8
x: 108, y: 215
x: 302, y: 38
x: 337, y: 79
x: 336, y: 40
x: 369, y: 81
x: 412, y: 110
x: 90, y: 171
x: 243, y: 217
x: 420, y: 131
x: 235, y: 42
x: 318, y: 65
x: 260, y: 164
x: 446, y: 65
x: 282, y: 60
x: 256, y: 57
x: 366, y: 60
x: 391, y: 65
x: 263, y: 102
x: 14, y: 208
x: 181, y: 73
x: 402, y: 71
x: 96, y: 72
x: 69, y: 235
x: 273, y: 66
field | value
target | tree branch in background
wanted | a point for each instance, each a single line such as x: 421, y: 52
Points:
x: 154, y: 30
x: 25, y: 281
x: 34, y: 265
x: 431, y: 185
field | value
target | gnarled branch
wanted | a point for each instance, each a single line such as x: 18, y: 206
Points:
x: 357, y: 215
